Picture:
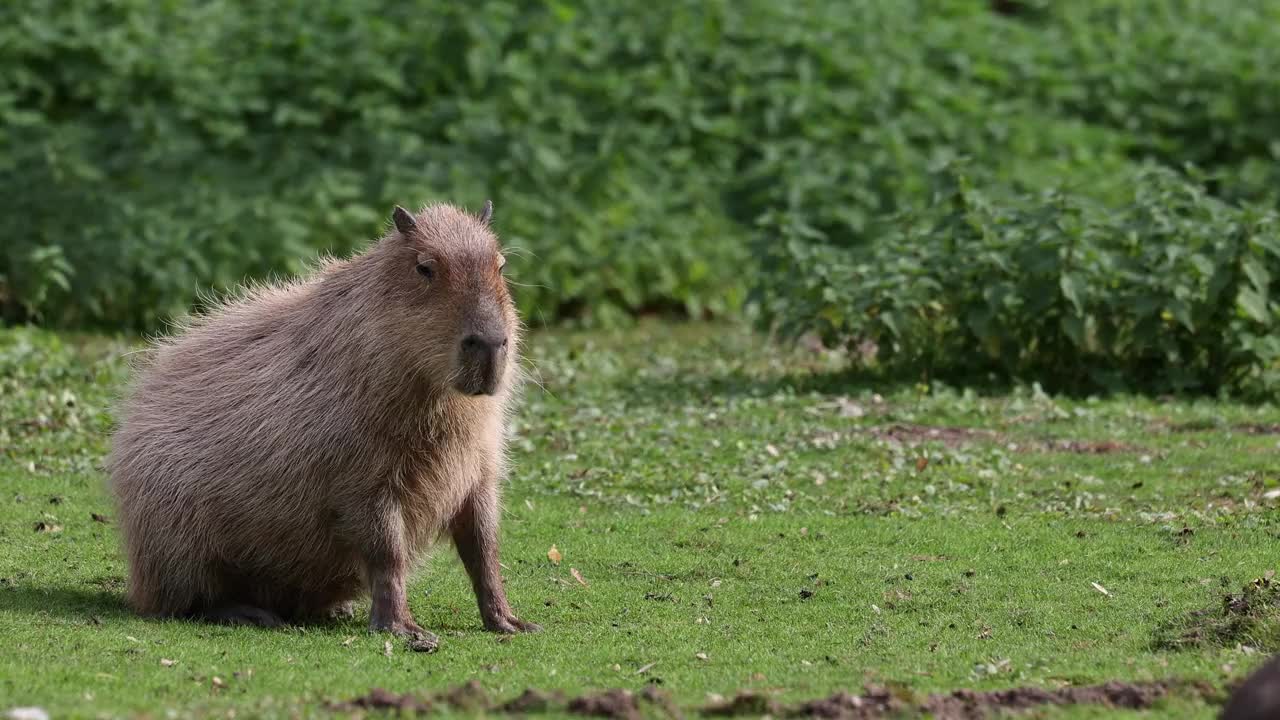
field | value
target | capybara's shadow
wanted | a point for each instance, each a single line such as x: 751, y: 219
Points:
x: 73, y: 604
x: 92, y: 606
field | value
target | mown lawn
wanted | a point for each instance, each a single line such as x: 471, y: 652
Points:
x: 740, y: 518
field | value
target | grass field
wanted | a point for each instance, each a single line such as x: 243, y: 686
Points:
x: 740, y: 518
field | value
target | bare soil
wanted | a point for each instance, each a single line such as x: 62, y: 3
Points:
x: 873, y: 702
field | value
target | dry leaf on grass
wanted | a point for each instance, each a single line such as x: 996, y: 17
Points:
x: 578, y: 576
x: 167, y: 662
x: 44, y: 527
x: 1100, y: 589
x: 554, y: 555
x: 386, y: 648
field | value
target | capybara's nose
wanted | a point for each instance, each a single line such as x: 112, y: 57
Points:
x: 483, y: 357
x: 479, y: 345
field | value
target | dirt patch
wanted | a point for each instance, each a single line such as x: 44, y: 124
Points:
x: 611, y: 703
x: 905, y: 434
x: 1259, y: 428
x: 531, y: 701
x: 1089, y: 447
x: 1198, y: 426
x: 1250, y: 616
x: 744, y: 703
x: 379, y: 699
x: 470, y: 697
x: 878, y: 702
x: 971, y: 705
x: 950, y: 436
x: 661, y: 699
x: 874, y: 702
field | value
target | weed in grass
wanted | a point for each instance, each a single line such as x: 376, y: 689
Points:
x: 1249, y: 618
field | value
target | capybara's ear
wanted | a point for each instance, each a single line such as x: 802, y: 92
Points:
x: 404, y: 221
x: 486, y: 213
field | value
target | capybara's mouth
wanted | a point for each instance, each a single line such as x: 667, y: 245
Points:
x: 476, y: 384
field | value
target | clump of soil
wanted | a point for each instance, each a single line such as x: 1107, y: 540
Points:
x: 531, y: 701
x: 611, y: 704
x: 1089, y: 447
x: 1194, y: 426
x: 470, y: 697
x: 1250, y: 617
x: 746, y: 702
x: 965, y: 704
x: 379, y: 699
x: 875, y: 702
x: 660, y: 698
x: 971, y: 704
x: 916, y: 434
x: 1260, y: 428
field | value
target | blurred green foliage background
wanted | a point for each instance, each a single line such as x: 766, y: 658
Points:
x: 1080, y: 192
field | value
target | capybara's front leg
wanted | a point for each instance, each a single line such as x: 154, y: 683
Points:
x: 390, y: 611
x: 475, y: 534
x: 387, y: 567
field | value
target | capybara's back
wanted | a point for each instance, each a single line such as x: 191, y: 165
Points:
x: 304, y: 443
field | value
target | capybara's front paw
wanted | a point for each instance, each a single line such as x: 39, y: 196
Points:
x: 419, y: 640
x: 402, y: 627
x: 509, y: 624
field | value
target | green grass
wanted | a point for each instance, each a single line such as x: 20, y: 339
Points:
x: 719, y: 498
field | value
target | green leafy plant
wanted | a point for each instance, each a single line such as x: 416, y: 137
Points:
x: 1165, y: 289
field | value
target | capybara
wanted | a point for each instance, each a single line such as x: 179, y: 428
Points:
x: 1258, y: 698
x: 305, y: 442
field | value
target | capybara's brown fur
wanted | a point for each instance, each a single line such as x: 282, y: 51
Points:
x: 305, y: 443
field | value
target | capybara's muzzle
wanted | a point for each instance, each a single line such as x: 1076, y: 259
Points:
x: 481, y: 362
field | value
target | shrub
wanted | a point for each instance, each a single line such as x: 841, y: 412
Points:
x: 1166, y: 289
x: 629, y: 152
x: 163, y: 148
x: 639, y: 160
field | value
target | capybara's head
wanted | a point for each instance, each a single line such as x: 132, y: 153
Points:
x: 459, y: 312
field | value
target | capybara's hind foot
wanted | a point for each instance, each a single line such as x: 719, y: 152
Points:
x: 343, y: 610
x: 243, y: 615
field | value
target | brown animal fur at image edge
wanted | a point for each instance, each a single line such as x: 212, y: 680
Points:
x: 305, y: 443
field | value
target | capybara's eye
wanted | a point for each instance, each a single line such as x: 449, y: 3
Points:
x: 426, y: 270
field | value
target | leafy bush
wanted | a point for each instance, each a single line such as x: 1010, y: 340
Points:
x: 629, y: 152
x: 1167, y: 289
x: 1188, y: 80
x: 162, y: 148
x: 656, y: 161
x: 1064, y: 256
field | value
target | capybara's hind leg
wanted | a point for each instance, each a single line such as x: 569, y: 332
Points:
x: 344, y: 610
x: 242, y: 615
x: 333, y: 612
